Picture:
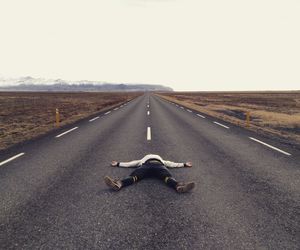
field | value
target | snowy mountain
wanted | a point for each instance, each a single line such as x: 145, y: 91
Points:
x: 39, y: 84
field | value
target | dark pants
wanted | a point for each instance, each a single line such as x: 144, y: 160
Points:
x: 149, y: 170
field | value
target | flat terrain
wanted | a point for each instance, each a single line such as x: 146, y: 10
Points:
x: 247, y: 195
x: 25, y: 115
x: 271, y: 113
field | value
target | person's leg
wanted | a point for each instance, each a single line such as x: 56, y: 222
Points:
x: 136, y: 175
x: 164, y: 174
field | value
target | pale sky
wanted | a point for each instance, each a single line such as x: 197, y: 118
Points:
x: 184, y: 44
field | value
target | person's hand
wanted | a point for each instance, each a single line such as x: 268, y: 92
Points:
x: 114, y: 163
x: 188, y: 164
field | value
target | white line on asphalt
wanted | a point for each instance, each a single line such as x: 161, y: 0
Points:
x: 107, y: 112
x: 97, y: 117
x: 177, y: 105
x: 121, y: 106
x: 148, y: 106
x: 148, y: 113
x: 11, y: 159
x: 222, y: 125
x: 148, y: 134
x: 116, y: 108
x: 189, y: 111
x: 66, y: 132
x: 279, y: 150
x: 201, y: 116
x: 182, y: 107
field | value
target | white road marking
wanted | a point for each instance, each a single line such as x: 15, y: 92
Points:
x: 148, y: 106
x: 116, y: 108
x: 11, y: 159
x: 66, y: 132
x: 177, y: 105
x: 189, y: 111
x: 201, y: 116
x: 279, y: 150
x: 222, y: 125
x: 182, y: 107
x: 148, y: 113
x: 148, y: 134
x: 107, y: 112
x: 121, y: 106
x: 97, y: 117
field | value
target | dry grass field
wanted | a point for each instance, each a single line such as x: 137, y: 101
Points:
x: 273, y: 113
x: 24, y: 115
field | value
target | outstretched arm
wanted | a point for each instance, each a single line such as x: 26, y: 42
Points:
x: 171, y: 164
x: 130, y: 164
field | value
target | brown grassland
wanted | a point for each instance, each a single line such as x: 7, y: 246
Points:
x: 271, y: 113
x: 25, y: 115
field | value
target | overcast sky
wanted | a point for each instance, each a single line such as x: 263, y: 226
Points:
x: 184, y: 44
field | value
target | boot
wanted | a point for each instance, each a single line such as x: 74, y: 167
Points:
x: 185, y: 187
x: 114, y: 184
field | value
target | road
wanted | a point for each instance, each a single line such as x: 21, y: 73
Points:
x: 247, y: 194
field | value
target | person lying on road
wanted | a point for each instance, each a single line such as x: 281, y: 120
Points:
x: 150, y: 166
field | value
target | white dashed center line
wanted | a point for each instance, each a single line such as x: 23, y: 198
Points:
x: 189, y: 111
x: 222, y: 125
x: 11, y: 159
x: 177, y: 105
x: 148, y: 134
x: 66, y: 132
x: 116, y: 108
x: 107, y: 113
x: 182, y: 107
x: 148, y: 113
x: 201, y: 116
x: 279, y: 150
x: 148, y: 106
x: 94, y: 119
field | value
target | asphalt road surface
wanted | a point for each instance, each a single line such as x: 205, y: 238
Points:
x: 247, y: 193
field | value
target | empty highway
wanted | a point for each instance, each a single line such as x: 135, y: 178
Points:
x: 247, y: 193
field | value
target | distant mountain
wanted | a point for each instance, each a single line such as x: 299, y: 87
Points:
x: 38, y: 84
